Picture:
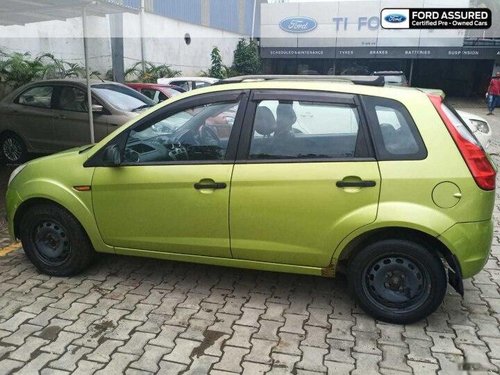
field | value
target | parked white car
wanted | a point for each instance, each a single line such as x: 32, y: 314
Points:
x: 188, y: 83
x: 479, y: 126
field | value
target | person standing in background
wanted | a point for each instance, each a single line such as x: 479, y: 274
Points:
x: 493, y: 94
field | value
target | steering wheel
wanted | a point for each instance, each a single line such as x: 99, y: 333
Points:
x: 208, y: 136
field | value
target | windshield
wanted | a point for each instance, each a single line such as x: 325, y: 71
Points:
x: 394, y: 79
x: 122, y: 98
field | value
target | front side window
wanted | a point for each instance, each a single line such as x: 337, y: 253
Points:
x: 199, y: 133
x: 293, y: 129
x: 40, y: 96
x: 150, y: 93
x: 71, y: 99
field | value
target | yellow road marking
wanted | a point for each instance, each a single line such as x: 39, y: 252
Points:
x: 8, y: 249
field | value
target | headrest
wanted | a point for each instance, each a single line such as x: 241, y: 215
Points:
x: 265, y: 123
x: 285, y: 115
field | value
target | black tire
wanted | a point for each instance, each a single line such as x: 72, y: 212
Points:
x: 54, y: 241
x: 12, y: 149
x: 397, y: 281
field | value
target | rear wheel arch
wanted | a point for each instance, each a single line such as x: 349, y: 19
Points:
x: 425, y: 239
x: 23, y: 144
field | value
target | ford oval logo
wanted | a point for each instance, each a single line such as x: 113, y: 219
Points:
x: 298, y: 24
x: 395, y: 18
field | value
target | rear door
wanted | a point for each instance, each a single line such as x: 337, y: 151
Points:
x: 296, y: 195
x: 31, y: 116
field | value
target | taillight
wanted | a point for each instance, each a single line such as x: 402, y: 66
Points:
x: 475, y: 157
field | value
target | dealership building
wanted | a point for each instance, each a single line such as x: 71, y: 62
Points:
x: 346, y: 37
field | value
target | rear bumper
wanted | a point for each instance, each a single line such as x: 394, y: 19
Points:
x: 471, y: 245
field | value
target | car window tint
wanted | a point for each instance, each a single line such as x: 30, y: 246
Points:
x: 182, y: 84
x: 150, y: 93
x: 304, y: 130
x: 39, y: 96
x: 396, y: 134
x: 200, y: 84
x: 195, y: 134
x: 72, y: 99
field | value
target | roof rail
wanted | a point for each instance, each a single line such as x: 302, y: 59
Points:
x: 358, y: 80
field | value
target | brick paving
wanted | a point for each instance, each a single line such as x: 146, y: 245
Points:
x: 141, y: 316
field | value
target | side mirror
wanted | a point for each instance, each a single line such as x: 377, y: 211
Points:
x: 96, y: 108
x: 112, y: 156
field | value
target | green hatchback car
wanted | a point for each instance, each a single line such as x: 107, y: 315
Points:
x: 314, y: 175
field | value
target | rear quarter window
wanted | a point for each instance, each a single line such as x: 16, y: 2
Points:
x: 395, y: 135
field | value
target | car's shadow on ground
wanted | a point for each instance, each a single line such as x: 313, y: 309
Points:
x: 278, y: 287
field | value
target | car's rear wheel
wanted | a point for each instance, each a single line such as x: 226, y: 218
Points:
x: 397, y: 281
x: 12, y: 149
x: 54, y: 240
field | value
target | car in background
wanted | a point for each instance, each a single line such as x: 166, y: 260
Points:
x: 156, y: 92
x: 188, y: 83
x: 49, y: 116
x: 393, y: 78
x: 478, y: 126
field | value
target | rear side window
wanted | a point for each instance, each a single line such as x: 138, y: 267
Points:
x: 396, y: 136
x: 293, y: 129
x: 39, y: 96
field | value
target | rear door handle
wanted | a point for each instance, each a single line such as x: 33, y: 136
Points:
x: 360, y: 184
x: 210, y: 185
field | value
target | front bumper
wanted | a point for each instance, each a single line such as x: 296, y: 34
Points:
x: 471, y: 245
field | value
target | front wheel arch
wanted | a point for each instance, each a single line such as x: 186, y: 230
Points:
x: 27, y: 205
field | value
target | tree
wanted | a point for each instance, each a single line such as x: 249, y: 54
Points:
x: 217, y: 70
x: 246, y: 58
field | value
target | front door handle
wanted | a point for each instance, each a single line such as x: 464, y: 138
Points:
x: 209, y: 185
x: 360, y: 184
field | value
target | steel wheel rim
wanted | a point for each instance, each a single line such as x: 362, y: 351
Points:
x: 12, y: 149
x: 52, y: 242
x: 396, y: 282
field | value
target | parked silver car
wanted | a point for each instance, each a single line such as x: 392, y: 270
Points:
x: 52, y: 115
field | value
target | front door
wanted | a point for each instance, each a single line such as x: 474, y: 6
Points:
x: 301, y: 183
x: 171, y: 193
x: 71, y: 119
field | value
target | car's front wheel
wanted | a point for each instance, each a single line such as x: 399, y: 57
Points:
x: 397, y: 281
x: 12, y: 149
x: 54, y: 240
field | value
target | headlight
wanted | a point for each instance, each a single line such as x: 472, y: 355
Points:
x: 15, y: 172
x: 481, y: 126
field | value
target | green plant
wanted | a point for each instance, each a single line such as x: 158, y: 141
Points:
x: 217, y: 69
x: 150, y: 73
x: 17, y: 69
x: 246, y: 58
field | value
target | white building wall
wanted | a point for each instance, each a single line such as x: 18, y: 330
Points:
x: 163, y: 40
